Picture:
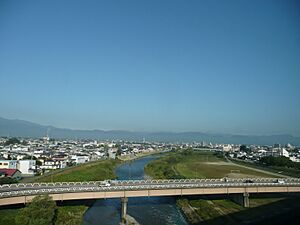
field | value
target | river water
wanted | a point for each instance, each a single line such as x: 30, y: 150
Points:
x: 146, y: 210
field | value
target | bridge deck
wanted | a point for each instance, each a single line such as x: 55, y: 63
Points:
x: 22, y: 193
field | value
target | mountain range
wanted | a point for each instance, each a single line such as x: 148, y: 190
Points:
x: 22, y: 128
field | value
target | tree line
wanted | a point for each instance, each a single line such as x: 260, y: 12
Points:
x: 280, y: 161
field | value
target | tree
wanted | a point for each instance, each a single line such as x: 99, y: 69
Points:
x: 40, y: 211
x: 276, y: 161
x: 119, y: 151
x: 12, y: 141
x: 244, y: 148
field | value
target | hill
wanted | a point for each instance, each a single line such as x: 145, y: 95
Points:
x: 21, y: 128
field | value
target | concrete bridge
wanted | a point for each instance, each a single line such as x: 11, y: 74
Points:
x: 237, y: 189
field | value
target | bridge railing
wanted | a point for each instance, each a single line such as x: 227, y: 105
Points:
x: 36, y: 190
x: 140, y: 182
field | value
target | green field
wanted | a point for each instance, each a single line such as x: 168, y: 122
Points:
x: 201, y: 164
x: 98, y: 170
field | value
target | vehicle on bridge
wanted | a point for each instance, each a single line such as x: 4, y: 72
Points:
x: 105, y: 183
x: 248, y: 181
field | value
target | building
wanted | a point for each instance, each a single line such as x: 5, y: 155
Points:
x: 284, y: 152
x: 13, y: 173
x: 78, y: 159
x: 27, y: 167
x: 8, y: 164
x: 226, y: 148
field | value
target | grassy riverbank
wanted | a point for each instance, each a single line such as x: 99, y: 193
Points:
x: 98, y: 170
x: 213, y: 209
x: 198, y: 164
x: 138, y: 155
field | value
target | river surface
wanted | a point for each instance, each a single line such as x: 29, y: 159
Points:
x: 146, y: 210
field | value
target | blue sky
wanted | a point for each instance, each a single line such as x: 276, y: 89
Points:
x: 211, y: 66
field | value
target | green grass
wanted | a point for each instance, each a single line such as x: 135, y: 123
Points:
x: 99, y: 170
x: 197, y: 165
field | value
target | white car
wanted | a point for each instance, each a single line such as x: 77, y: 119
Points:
x: 105, y: 183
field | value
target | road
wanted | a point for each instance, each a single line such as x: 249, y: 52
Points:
x: 128, y: 185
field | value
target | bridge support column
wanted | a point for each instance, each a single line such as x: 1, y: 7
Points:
x: 124, y: 209
x: 241, y: 199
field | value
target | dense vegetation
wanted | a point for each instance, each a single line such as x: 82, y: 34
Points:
x: 280, y: 161
x: 43, y: 211
x: 12, y: 141
x: 40, y: 211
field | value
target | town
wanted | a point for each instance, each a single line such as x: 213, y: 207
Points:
x: 25, y: 157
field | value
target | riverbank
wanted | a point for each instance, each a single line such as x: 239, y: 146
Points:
x: 138, y: 155
x: 216, y: 209
x: 199, y: 164
x: 92, y: 171
x: 146, y: 211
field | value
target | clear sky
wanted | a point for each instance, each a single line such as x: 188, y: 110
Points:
x: 174, y: 65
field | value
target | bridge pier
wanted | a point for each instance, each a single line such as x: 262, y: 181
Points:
x: 241, y: 199
x: 124, y: 209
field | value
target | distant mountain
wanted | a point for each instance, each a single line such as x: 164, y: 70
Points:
x: 21, y: 128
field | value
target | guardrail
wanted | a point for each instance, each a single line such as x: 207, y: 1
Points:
x: 139, y: 182
x: 14, y: 190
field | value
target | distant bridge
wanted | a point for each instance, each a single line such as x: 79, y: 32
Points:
x: 239, y: 189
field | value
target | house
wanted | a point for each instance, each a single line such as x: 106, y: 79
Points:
x: 13, y: 173
x: 8, y: 164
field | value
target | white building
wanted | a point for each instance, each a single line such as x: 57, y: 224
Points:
x: 226, y: 147
x: 50, y: 165
x: 284, y: 152
x: 295, y: 159
x: 78, y: 159
x: 27, y: 167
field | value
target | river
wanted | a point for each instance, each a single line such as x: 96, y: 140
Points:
x: 146, y: 210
